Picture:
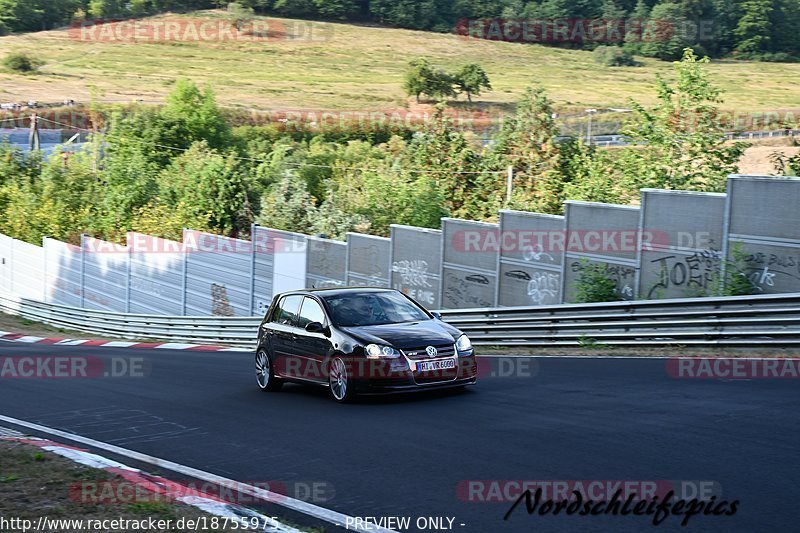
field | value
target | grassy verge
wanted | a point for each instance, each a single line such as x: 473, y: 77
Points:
x: 36, y: 483
x: 18, y: 324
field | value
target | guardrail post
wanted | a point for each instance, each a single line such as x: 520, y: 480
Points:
x: 45, y: 284
x: 128, y: 275
x: 726, y: 228
x: 185, y: 274
x: 83, y: 270
x: 253, y: 269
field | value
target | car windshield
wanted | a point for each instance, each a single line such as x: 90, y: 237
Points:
x: 373, y: 309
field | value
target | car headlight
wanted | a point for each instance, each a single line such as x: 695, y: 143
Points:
x: 463, y: 344
x: 376, y: 351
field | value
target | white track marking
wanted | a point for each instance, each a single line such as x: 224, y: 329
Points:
x: 70, y: 342
x: 175, y: 346
x: 332, y: 517
x: 87, y: 459
x: 119, y: 344
x: 29, y: 339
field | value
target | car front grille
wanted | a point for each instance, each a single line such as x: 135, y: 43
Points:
x: 418, y: 354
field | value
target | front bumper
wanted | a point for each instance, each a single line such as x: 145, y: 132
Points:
x: 387, y: 377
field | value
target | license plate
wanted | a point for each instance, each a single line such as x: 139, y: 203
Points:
x: 444, y: 364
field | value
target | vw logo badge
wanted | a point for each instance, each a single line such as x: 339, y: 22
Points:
x: 431, y: 351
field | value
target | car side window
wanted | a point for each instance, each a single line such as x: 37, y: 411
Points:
x: 311, y: 312
x: 288, y: 310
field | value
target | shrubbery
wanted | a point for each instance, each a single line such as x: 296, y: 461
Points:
x: 614, y: 56
x: 21, y: 62
x: 162, y: 169
x: 594, y: 285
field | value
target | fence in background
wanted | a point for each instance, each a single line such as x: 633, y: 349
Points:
x: 676, y: 244
x: 763, y: 321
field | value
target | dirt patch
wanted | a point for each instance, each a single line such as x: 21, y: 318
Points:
x: 756, y: 159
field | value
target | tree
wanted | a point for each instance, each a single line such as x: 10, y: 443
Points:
x: 414, y: 14
x: 471, y: 79
x: 667, y: 32
x: 198, y: 112
x: 527, y: 142
x: 287, y: 206
x: 634, y: 33
x: 679, y: 143
x: 417, y: 74
x: 422, y: 78
x: 754, y: 28
x: 203, y: 184
x: 336, y: 9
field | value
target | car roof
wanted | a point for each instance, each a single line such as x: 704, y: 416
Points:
x: 338, y: 291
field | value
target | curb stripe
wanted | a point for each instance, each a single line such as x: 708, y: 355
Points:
x: 29, y: 339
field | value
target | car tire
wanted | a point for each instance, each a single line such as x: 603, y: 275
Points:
x: 340, y: 384
x: 265, y: 373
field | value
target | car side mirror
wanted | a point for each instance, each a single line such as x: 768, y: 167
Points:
x: 437, y: 316
x: 315, y: 327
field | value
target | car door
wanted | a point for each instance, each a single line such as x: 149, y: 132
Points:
x: 282, y: 332
x: 312, y: 348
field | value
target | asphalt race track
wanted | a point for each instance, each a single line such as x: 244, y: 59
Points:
x: 553, y: 419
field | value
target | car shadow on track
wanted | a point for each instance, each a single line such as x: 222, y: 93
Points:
x: 307, y: 392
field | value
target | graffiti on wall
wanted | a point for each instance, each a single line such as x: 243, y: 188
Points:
x: 541, y: 288
x: 769, y: 272
x: 696, y: 273
x: 467, y: 290
x: 414, y: 280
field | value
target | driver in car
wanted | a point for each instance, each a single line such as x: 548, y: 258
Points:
x: 360, y: 310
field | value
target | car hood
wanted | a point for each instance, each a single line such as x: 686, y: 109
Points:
x: 407, y: 335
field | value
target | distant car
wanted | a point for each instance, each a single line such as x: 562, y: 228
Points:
x: 360, y: 341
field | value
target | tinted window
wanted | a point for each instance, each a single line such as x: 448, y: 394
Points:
x: 311, y: 312
x: 373, y: 309
x: 287, y: 310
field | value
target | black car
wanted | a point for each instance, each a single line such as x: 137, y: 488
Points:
x: 360, y: 341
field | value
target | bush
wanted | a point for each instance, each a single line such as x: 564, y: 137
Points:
x: 736, y: 281
x: 777, y: 57
x: 594, y: 285
x: 21, y: 62
x: 614, y: 56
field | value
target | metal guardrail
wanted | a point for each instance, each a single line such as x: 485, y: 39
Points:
x: 772, y: 320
